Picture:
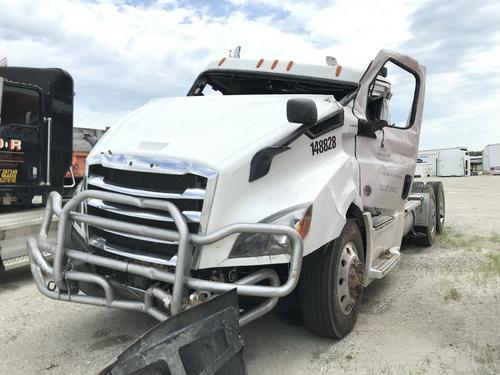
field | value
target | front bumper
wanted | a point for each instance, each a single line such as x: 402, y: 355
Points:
x: 62, y: 277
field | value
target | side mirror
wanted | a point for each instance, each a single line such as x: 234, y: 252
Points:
x: 301, y: 111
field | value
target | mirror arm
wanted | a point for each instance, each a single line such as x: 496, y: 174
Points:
x: 261, y: 161
x: 367, y: 128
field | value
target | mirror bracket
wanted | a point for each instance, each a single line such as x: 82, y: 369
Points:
x: 367, y: 128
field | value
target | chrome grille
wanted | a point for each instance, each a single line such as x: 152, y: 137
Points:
x: 188, y: 191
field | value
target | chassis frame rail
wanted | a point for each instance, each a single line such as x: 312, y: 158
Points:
x: 60, y: 273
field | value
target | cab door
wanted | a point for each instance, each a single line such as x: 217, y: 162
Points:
x: 21, y: 150
x: 389, y: 107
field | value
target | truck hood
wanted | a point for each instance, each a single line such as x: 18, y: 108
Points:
x: 203, y: 129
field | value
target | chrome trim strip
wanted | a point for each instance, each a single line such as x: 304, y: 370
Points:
x: 188, y: 193
x: 49, y: 137
x: 192, y: 216
x: 151, y: 164
x: 102, y: 244
x: 137, y: 237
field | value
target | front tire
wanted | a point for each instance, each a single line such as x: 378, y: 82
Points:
x: 331, y: 285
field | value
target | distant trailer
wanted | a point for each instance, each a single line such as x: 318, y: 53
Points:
x: 491, y: 159
x: 423, y: 169
x: 447, y: 162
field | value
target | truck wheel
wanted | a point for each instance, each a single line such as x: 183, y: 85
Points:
x: 438, y: 188
x: 418, y: 187
x: 331, y: 284
x: 427, y: 234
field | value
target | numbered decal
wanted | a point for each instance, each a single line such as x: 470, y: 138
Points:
x: 8, y: 176
x: 323, y: 145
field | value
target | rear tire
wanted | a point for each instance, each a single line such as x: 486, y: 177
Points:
x: 427, y: 234
x: 331, y: 285
x: 438, y: 188
x: 418, y: 187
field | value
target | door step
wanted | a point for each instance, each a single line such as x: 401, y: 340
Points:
x: 384, y: 263
x: 20, y: 261
x: 380, y: 221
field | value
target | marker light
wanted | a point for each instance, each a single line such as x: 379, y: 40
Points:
x: 304, y: 224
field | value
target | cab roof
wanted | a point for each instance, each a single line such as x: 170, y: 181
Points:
x: 331, y: 72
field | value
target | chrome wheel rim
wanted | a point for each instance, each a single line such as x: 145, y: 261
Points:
x: 350, y: 278
x: 441, y: 208
x: 433, y: 218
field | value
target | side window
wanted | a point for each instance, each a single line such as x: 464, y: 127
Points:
x: 20, y: 106
x: 392, y: 97
x: 206, y: 89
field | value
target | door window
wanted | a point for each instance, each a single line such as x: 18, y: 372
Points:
x: 20, y: 106
x: 392, y: 96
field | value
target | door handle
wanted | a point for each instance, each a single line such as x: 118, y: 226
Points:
x: 406, y: 186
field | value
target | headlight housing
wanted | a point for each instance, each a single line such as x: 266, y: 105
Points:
x: 260, y: 244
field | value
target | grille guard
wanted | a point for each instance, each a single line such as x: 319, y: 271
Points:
x: 181, y: 280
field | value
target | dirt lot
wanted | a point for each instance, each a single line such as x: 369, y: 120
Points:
x: 437, y: 313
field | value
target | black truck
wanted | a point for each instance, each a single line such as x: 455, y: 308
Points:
x: 36, y: 145
x: 36, y: 132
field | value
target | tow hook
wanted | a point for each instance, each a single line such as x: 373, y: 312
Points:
x: 198, y: 297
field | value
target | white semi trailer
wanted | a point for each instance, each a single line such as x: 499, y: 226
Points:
x: 491, y: 159
x: 447, y: 162
x: 294, y: 177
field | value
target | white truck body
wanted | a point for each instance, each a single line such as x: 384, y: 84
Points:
x: 423, y: 169
x: 491, y: 159
x: 447, y: 162
x: 292, y: 160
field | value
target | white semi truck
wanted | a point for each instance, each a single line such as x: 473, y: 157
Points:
x: 269, y: 177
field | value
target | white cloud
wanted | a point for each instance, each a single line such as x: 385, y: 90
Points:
x: 121, y: 55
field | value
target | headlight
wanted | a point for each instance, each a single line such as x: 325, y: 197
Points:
x: 259, y: 244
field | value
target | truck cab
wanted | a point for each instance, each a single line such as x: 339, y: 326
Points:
x: 36, y: 125
x: 268, y: 176
x: 36, y: 128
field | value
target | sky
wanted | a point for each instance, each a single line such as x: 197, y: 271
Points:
x: 122, y: 53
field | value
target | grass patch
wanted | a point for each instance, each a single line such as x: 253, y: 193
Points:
x: 452, y: 238
x: 492, y: 267
x: 495, y: 238
x: 453, y: 294
x: 488, y: 247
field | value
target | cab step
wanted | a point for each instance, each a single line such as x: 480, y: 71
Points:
x: 384, y: 263
x: 20, y: 261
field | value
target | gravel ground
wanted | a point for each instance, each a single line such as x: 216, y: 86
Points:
x: 436, y: 313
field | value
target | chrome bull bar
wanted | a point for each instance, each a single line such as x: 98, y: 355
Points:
x: 60, y: 271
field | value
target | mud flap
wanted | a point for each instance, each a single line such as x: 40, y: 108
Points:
x: 202, y: 340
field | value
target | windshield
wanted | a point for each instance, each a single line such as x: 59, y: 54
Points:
x: 248, y: 83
